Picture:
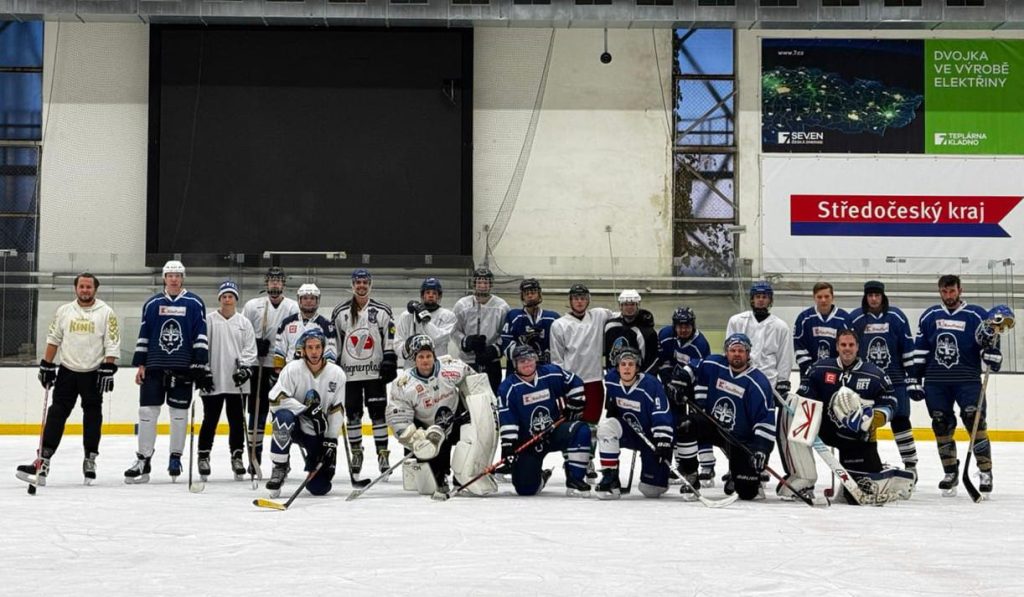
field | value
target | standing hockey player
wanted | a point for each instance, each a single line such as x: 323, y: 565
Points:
x: 307, y: 404
x: 86, y: 335
x: 738, y: 396
x: 636, y: 403
x: 632, y: 326
x: 426, y: 316
x: 266, y: 314
x: 814, y: 335
x: 426, y: 397
x: 293, y: 326
x: 366, y: 334
x: 856, y: 399
x: 884, y: 336
x: 531, y: 401
x: 171, y: 354
x: 950, y: 347
x: 232, y: 357
x: 528, y: 326
x: 478, y: 321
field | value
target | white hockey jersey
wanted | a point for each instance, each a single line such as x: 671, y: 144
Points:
x: 294, y: 388
x: 771, y: 343
x: 439, y: 328
x: 266, y: 319
x: 85, y: 335
x: 432, y: 400
x: 285, y: 346
x: 364, y: 339
x: 232, y: 343
x: 577, y: 345
x: 475, y: 318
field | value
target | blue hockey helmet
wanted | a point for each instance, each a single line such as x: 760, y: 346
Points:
x: 431, y: 283
x: 761, y: 287
x: 361, y: 274
x: 624, y: 352
x: 524, y: 351
x: 313, y: 333
x: 737, y: 338
x: 684, y: 315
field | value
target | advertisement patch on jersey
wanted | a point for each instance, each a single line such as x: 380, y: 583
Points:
x: 900, y: 215
x: 823, y: 331
x: 831, y: 377
x: 951, y: 324
x: 628, y: 404
x: 729, y: 388
x: 292, y: 328
x: 172, y: 311
x: 863, y: 384
x: 535, y: 397
x: 450, y: 375
x: 876, y: 328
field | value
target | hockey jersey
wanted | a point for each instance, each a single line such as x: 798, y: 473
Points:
x: 577, y: 344
x: 439, y: 328
x: 85, y: 335
x: 296, y: 386
x: 364, y: 338
x: 173, y: 332
x: 814, y: 335
x: 232, y: 344
x: 676, y: 351
x: 427, y: 400
x: 885, y: 340
x: 523, y: 328
x: 291, y: 329
x: 946, y: 348
x: 644, y: 401
x: 526, y: 408
x: 638, y: 333
x: 741, y: 402
x: 475, y: 318
x: 826, y: 377
x: 771, y: 340
x: 266, y: 318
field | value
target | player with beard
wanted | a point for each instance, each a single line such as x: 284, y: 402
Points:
x: 529, y: 325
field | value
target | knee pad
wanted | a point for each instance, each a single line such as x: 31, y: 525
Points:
x: 968, y: 414
x: 651, y: 491
x: 943, y: 423
x: 321, y: 483
x: 609, y: 430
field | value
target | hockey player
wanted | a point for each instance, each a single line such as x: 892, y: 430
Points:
x: 738, y: 396
x: 86, y: 335
x: 478, y: 321
x: 307, y: 404
x: 426, y: 397
x: 266, y: 314
x: 292, y: 327
x: 636, y: 403
x: 857, y: 399
x: 530, y: 401
x: 814, y: 335
x: 949, y: 350
x: 172, y: 354
x: 232, y: 357
x: 366, y: 334
x: 426, y: 316
x: 632, y: 326
x: 884, y: 336
x: 529, y: 325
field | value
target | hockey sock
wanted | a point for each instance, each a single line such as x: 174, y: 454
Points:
x: 904, y: 436
x: 380, y: 434
x: 147, y: 429
x: 179, y: 423
x: 354, y: 431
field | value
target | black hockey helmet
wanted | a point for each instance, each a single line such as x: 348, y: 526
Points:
x: 275, y: 273
x: 684, y: 315
x: 579, y: 290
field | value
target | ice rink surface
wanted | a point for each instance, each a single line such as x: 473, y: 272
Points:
x: 160, y: 539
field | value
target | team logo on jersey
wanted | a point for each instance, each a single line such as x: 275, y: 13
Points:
x: 724, y: 411
x: 729, y: 388
x: 359, y: 344
x: 443, y: 417
x: 171, y: 311
x: 171, y: 338
x: 682, y: 358
x: 951, y: 324
x: 947, y: 353
x: 540, y: 419
x: 332, y: 386
x: 371, y: 315
x: 450, y: 375
x: 535, y: 397
x: 878, y: 353
x: 824, y: 350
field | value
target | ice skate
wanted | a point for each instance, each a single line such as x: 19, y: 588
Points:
x: 277, y: 477
x: 28, y: 474
x: 985, y: 482
x: 576, y: 488
x: 174, y: 466
x: 204, y: 464
x: 707, y: 476
x: 609, y: 488
x: 89, y: 468
x: 138, y: 472
x: 237, y: 465
x: 949, y: 483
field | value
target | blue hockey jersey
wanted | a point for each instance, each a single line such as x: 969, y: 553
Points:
x: 885, y: 340
x: 526, y: 408
x: 946, y: 348
x: 814, y: 335
x: 522, y: 328
x: 676, y: 351
x: 870, y: 382
x: 644, y: 401
x: 740, y: 402
x: 173, y: 332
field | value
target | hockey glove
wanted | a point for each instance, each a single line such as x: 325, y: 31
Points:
x: 262, y: 347
x: 241, y: 375
x: 428, y: 445
x: 47, y: 373
x: 758, y: 460
x: 488, y: 355
x: 859, y: 422
x: 992, y: 357
x: 508, y: 450
x: 105, y: 377
x: 315, y: 413
x: 329, y: 452
x: 915, y: 391
x: 782, y: 387
x: 572, y: 405
x: 388, y: 367
x: 202, y: 377
x: 412, y: 307
x: 663, y: 449
x: 422, y: 314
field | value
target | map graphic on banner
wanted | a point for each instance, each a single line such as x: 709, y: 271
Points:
x: 892, y: 96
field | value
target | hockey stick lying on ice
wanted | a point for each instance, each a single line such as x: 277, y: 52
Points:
x: 271, y: 504
x: 508, y: 459
x: 729, y: 437
x: 710, y: 503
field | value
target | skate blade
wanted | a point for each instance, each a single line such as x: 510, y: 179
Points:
x: 608, y: 495
x: 34, y: 480
x: 269, y: 504
x: 576, y: 493
x: 690, y: 497
x: 951, y: 492
x: 88, y: 481
x: 136, y: 480
x: 707, y: 483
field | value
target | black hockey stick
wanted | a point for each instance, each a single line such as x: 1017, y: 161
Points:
x: 348, y: 454
x: 194, y: 487
x: 272, y: 505
x: 508, y: 459
x: 39, y: 451
x: 968, y: 483
x: 629, y: 482
x: 639, y: 431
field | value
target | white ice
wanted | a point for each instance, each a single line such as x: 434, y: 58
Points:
x: 160, y: 539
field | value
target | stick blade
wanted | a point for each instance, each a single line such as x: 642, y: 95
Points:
x: 722, y: 503
x: 360, y: 483
x: 269, y: 504
x: 197, y: 487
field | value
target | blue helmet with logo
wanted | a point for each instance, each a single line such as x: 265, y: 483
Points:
x: 738, y: 338
x: 431, y: 283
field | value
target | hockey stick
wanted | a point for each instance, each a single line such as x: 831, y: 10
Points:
x: 508, y: 459
x: 39, y: 451
x: 968, y: 483
x: 348, y: 455
x: 629, y: 482
x: 194, y: 487
x: 257, y: 470
x: 638, y: 430
x: 729, y: 437
x: 272, y: 505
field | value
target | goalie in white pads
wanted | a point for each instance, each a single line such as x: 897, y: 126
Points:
x: 307, y: 405
x: 857, y: 399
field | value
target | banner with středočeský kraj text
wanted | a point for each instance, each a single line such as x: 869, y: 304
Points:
x: 920, y: 214
x: 941, y: 96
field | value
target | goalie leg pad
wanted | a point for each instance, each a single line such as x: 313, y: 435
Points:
x: 418, y: 477
x: 478, y: 439
x: 797, y: 457
x: 889, y: 485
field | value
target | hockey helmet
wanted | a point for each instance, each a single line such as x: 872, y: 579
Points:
x: 415, y: 344
x: 174, y: 267
x: 275, y: 273
x: 308, y: 289
x: 431, y: 283
x: 761, y: 287
x: 483, y: 272
x: 579, y: 290
x: 362, y: 274
x: 313, y: 333
x: 629, y: 296
x: 524, y: 351
x: 625, y: 353
x: 684, y: 315
x: 737, y: 338
x: 529, y: 284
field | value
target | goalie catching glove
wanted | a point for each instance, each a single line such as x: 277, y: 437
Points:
x: 851, y: 412
x: 424, y: 443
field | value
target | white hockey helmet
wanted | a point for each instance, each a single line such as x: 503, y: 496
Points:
x: 174, y: 267
x: 629, y: 296
x: 308, y: 290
